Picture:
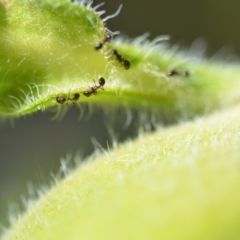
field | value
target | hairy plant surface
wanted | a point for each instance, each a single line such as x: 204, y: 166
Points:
x: 178, y: 183
x: 48, y: 51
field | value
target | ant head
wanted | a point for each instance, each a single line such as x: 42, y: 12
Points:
x: 101, y: 81
x: 98, y: 46
x: 108, y: 37
x: 114, y: 52
x: 87, y: 93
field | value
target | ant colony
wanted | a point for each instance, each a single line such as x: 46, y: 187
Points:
x: 101, y: 82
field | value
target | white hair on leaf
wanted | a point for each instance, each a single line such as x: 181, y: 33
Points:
x: 17, y: 102
x: 113, y: 15
x: 159, y: 39
x: 98, y: 6
x: 100, y: 13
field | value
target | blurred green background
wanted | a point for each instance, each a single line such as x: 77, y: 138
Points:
x: 31, y: 147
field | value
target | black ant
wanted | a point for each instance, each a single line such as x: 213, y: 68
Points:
x: 107, y: 39
x: 62, y: 100
x: 120, y: 59
x: 184, y: 73
x: 93, y: 90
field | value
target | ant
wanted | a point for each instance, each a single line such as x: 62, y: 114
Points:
x: 184, y: 73
x: 62, y: 100
x: 93, y: 90
x: 120, y: 59
x: 107, y: 39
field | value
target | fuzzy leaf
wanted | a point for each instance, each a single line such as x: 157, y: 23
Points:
x: 48, y: 51
x: 178, y: 183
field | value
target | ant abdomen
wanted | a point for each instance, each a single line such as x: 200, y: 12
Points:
x: 88, y: 93
x: 98, y: 46
x: 101, y: 82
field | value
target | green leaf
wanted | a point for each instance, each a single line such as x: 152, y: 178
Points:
x: 45, y: 51
x: 48, y: 51
x: 178, y: 183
